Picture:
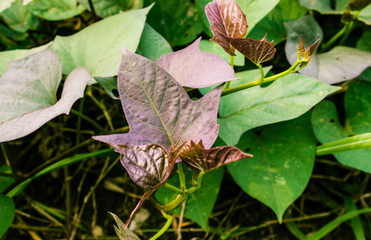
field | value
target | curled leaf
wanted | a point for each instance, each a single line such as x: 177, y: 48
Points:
x: 122, y: 231
x: 306, y: 54
x: 147, y: 165
x: 256, y: 51
x: 226, y: 19
x: 199, y: 159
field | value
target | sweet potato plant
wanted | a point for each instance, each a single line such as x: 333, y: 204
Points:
x: 227, y: 116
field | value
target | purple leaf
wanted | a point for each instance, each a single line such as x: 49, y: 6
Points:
x: 306, y: 54
x: 256, y: 51
x: 30, y: 100
x: 159, y: 110
x: 192, y: 68
x: 147, y: 165
x: 226, y: 18
x: 198, y: 159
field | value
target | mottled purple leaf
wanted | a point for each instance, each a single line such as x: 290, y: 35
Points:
x: 122, y: 231
x: 28, y: 93
x: 255, y: 50
x: 159, y: 110
x: 226, y: 18
x: 192, y: 68
x: 147, y: 165
x: 198, y: 159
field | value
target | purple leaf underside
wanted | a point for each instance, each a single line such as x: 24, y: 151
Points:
x: 158, y: 109
x: 197, y: 158
x: 192, y: 68
x: 226, y: 18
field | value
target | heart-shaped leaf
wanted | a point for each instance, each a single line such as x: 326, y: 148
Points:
x: 54, y: 10
x: 158, y: 109
x: 7, y: 212
x: 256, y: 51
x: 226, y: 19
x: 147, y: 165
x: 193, y: 68
x: 199, y: 159
x: 30, y: 101
x: 97, y: 47
x: 214, y: 48
x: 286, y: 98
x: 283, y: 160
x: 122, y: 231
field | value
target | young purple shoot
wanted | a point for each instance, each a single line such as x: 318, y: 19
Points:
x: 305, y: 55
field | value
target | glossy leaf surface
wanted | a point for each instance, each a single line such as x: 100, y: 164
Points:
x: 31, y: 100
x: 7, y: 212
x: 199, y: 159
x: 159, y: 110
x: 123, y: 232
x: 282, y: 164
x: 199, y: 204
x: 176, y: 20
x: 55, y: 10
x: 100, y: 43
x: 192, y: 68
x: 226, y: 19
x: 152, y: 45
x: 256, y: 51
x: 286, y: 98
x: 327, y: 127
x: 106, y: 8
x: 147, y: 165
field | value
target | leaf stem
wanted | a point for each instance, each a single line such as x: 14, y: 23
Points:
x: 94, y: 123
x: 175, y: 189
x: 261, y: 73
x: 264, y: 80
x: 227, y: 84
x: 181, y: 176
x: 165, y: 227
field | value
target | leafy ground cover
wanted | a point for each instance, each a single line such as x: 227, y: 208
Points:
x: 261, y: 133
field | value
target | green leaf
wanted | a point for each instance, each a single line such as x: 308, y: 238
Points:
x: 364, y: 43
x: 5, y: 182
x: 286, y: 98
x: 356, y: 142
x: 106, y: 8
x: 324, y: 6
x: 176, y: 20
x: 97, y: 47
x: 122, y: 231
x: 109, y: 84
x: 365, y: 15
x: 214, y: 48
x: 356, y: 222
x: 282, y: 164
x: 256, y: 10
x: 18, y: 17
x: 272, y: 24
x: 199, y: 204
x: 7, y: 211
x: 31, y: 101
x: 327, y: 127
x: 7, y: 56
x: 200, y: 6
x: 152, y: 45
x: 55, y: 10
